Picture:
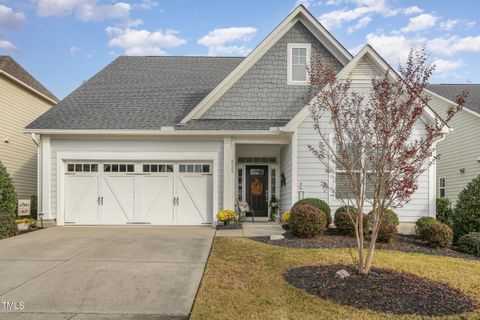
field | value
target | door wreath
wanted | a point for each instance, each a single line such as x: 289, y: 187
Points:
x: 256, y: 187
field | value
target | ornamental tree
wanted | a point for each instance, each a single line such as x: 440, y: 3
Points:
x: 368, y: 141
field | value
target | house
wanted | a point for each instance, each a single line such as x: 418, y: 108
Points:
x: 459, y: 152
x: 172, y: 140
x: 22, y: 99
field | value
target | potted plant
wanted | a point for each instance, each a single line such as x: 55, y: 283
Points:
x: 274, y: 216
x: 229, y: 219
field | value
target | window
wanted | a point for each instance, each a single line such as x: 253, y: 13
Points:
x: 157, y: 167
x: 194, y: 167
x: 118, y: 167
x: 442, y: 187
x: 273, y: 182
x: 82, y: 167
x: 298, y: 61
x: 257, y: 160
x: 240, y: 184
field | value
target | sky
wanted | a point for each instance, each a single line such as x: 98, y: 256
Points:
x: 65, y: 42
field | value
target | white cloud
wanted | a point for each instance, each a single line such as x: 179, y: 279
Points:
x: 8, y: 46
x: 73, y: 50
x: 443, y: 66
x: 143, y: 42
x: 10, y: 19
x: 228, y: 41
x: 453, y: 45
x: 147, y: 4
x: 420, y: 22
x: 393, y: 48
x: 412, y: 10
x: 449, y: 24
x: 83, y: 10
x: 362, y: 23
x: 305, y: 3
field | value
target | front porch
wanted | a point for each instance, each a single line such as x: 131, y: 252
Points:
x: 255, y: 172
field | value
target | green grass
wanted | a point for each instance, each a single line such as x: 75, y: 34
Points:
x: 244, y: 280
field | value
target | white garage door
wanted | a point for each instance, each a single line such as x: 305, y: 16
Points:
x: 138, y: 193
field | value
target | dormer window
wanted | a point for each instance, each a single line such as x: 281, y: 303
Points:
x: 298, y: 61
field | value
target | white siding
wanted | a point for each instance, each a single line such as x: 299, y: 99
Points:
x: 131, y: 145
x: 460, y: 149
x: 19, y: 107
x: 286, y: 170
x: 312, y: 173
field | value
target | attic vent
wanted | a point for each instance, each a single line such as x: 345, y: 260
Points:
x: 257, y: 160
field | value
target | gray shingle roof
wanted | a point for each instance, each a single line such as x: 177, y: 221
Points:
x: 450, y: 91
x: 141, y: 93
x: 10, y: 66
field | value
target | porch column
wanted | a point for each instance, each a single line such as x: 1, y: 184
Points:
x: 228, y: 173
x: 44, y: 161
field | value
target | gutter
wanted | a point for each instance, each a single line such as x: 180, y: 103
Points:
x: 35, y: 139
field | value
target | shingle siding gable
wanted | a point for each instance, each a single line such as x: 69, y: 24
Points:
x: 263, y: 92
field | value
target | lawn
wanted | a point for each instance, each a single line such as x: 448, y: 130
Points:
x: 244, y: 280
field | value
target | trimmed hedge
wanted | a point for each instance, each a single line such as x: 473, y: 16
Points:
x: 439, y: 235
x: 320, y: 204
x: 8, y: 197
x: 389, y: 217
x: 8, y: 226
x: 307, y: 221
x: 467, y: 210
x: 470, y: 243
x: 387, y: 233
x: 422, y: 222
x: 344, y: 223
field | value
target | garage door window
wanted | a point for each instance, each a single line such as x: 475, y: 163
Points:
x: 201, y: 168
x: 157, y: 167
x: 118, y: 167
x: 82, y: 167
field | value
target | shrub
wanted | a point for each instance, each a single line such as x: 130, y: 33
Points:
x: 389, y: 217
x: 307, y: 221
x: 438, y: 234
x: 285, y: 217
x: 320, y: 204
x: 444, y: 211
x: 8, y: 226
x: 387, y: 233
x: 344, y: 223
x: 470, y: 243
x: 467, y: 210
x: 34, y: 207
x: 227, y: 216
x: 422, y: 222
x: 8, y: 197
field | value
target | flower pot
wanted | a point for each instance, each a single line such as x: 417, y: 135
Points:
x: 23, y: 226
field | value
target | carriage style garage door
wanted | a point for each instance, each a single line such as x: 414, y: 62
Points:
x: 157, y: 193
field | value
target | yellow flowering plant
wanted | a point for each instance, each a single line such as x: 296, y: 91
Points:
x: 29, y: 221
x: 227, y: 216
x: 285, y: 216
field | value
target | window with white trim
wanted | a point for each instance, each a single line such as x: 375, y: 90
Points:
x: 298, y: 60
x: 442, y: 187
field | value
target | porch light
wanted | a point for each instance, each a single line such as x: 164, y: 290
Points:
x: 301, y: 193
x: 40, y: 215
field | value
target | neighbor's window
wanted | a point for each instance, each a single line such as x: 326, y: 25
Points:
x: 442, y: 187
x: 298, y: 61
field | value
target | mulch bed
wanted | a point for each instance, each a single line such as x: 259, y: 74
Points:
x: 331, y: 239
x: 232, y: 226
x: 382, y: 291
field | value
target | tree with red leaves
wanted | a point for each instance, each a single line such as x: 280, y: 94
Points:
x: 369, y: 138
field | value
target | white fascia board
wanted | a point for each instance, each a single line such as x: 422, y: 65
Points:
x: 299, y: 14
x: 155, y: 132
x: 436, y: 95
x: 26, y: 86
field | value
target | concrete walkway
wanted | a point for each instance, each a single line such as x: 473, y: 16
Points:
x: 250, y: 229
x: 103, y: 272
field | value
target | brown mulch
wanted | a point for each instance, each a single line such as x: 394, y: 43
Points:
x: 331, y: 239
x: 382, y: 291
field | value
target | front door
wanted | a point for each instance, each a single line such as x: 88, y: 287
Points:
x: 257, y: 189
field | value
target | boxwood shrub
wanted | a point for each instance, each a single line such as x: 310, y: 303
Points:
x: 344, y: 223
x: 470, y: 243
x: 467, y: 210
x: 387, y: 233
x: 8, y: 226
x: 320, y: 204
x: 439, y: 235
x: 307, y: 221
x: 422, y: 222
x: 444, y: 211
x: 389, y: 217
x: 8, y: 197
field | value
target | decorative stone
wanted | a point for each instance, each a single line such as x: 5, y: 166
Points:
x: 276, y: 237
x: 342, y: 274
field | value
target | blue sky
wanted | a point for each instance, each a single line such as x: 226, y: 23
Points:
x: 64, y: 42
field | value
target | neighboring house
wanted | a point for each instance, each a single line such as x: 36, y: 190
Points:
x: 172, y: 140
x: 22, y: 99
x: 459, y: 152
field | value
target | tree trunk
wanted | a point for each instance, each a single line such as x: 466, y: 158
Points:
x: 371, y: 247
